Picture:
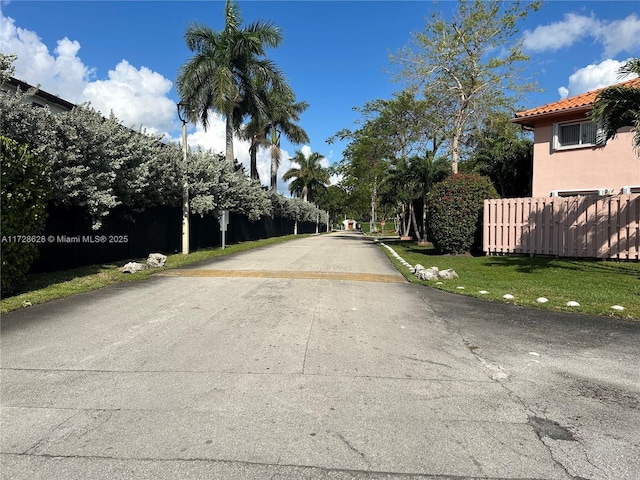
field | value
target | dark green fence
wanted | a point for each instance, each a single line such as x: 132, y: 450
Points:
x: 69, y: 241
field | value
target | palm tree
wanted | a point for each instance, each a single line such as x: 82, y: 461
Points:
x: 309, y: 178
x: 282, y: 112
x: 255, y: 131
x: 619, y: 105
x: 221, y: 75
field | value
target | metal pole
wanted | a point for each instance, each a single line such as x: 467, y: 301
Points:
x: 185, y: 193
x: 185, y: 179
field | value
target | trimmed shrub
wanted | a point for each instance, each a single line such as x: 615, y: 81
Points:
x: 454, y: 211
x: 26, y: 189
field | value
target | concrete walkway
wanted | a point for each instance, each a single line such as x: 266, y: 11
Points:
x: 313, y: 359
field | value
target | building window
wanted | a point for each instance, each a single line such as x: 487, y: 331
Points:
x: 576, y: 135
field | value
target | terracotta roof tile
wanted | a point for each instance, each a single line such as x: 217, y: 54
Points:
x: 578, y: 102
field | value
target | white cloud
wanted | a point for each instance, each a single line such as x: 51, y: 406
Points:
x: 592, y: 77
x: 559, y: 34
x: 621, y: 36
x: 136, y: 96
x: 62, y: 73
x: 615, y: 36
x: 306, y: 151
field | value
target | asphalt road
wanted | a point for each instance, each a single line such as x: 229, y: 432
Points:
x: 313, y: 359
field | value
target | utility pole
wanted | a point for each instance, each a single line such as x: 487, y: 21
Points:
x: 185, y: 181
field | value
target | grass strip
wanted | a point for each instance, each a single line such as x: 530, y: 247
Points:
x: 595, y: 284
x: 44, y: 287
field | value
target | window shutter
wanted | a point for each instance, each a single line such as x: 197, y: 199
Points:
x: 554, y: 140
x: 601, y: 138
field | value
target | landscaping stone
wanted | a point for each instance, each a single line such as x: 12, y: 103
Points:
x: 447, y: 274
x: 133, y: 267
x: 156, y: 260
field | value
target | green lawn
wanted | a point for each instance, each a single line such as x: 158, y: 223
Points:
x: 389, y: 228
x: 595, y: 284
x: 43, y: 287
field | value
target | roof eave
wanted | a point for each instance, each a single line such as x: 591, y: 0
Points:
x: 24, y: 86
x: 529, y: 120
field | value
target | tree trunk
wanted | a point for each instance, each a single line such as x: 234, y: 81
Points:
x: 406, y: 222
x: 374, y: 194
x: 424, y: 218
x: 455, y: 145
x: 458, y: 124
x: 414, y: 221
x: 253, y: 153
x: 229, y: 138
x: 275, y: 160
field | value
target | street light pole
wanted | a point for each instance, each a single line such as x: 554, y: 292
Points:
x: 185, y: 182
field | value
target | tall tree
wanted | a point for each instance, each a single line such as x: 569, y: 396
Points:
x: 365, y: 160
x: 266, y: 126
x: 283, y: 111
x: 504, y: 153
x: 309, y: 178
x: 223, y: 70
x: 470, y: 60
x: 255, y: 130
x: 618, y: 106
x: 391, y: 129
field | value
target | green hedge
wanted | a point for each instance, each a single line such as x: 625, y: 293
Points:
x: 26, y: 189
x: 454, y: 209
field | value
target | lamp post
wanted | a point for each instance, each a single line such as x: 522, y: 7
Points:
x: 183, y: 107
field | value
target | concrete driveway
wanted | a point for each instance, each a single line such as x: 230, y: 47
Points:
x: 313, y: 359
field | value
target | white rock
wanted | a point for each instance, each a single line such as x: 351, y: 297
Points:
x: 535, y: 354
x: 620, y: 308
x: 508, y: 296
x: 447, y: 274
x: 542, y: 300
x: 425, y: 274
x: 133, y: 267
x: 483, y: 292
x: 573, y: 304
x: 460, y: 288
x: 439, y: 283
x: 156, y: 260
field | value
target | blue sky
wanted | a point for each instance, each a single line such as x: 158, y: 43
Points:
x: 124, y: 55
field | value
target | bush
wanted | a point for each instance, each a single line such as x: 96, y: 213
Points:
x: 26, y: 190
x: 454, y: 210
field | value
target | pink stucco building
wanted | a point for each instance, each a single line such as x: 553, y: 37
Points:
x: 569, y: 156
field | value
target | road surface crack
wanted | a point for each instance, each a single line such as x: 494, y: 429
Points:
x: 306, y: 348
x: 352, y: 448
x: 421, y: 360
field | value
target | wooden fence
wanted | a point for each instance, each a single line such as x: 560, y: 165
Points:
x: 584, y: 226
